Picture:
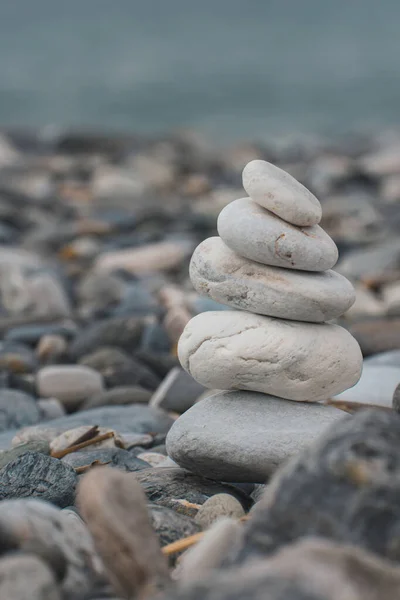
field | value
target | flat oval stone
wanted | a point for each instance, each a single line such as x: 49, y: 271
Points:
x: 228, y: 278
x: 282, y: 194
x: 298, y: 361
x: 253, y: 232
x: 245, y: 436
x: 71, y: 384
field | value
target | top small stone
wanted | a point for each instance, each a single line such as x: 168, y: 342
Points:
x: 280, y: 193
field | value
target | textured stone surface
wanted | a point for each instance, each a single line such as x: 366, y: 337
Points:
x: 245, y: 436
x: 71, y: 384
x: 169, y: 486
x: 112, y: 457
x: 344, y: 487
x: 7, y: 456
x: 226, y: 277
x: 254, y: 233
x: 38, y: 476
x: 280, y: 193
x: 299, y: 361
x: 376, y: 386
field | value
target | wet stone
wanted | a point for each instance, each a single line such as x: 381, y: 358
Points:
x: 35, y: 475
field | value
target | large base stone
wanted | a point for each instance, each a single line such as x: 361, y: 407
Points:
x: 245, y: 436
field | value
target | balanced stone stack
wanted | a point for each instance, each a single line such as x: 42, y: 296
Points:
x: 272, y: 264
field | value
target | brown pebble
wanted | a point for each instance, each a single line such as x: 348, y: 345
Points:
x: 216, y: 507
x: 113, y: 505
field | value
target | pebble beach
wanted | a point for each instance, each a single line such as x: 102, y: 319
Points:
x: 97, y: 232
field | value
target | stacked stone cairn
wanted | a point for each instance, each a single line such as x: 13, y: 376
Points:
x: 275, y: 350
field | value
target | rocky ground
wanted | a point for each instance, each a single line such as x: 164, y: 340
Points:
x: 96, y: 234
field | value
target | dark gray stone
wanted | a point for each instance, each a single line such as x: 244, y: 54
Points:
x: 169, y: 525
x: 121, y: 332
x: 178, y: 392
x: 118, y: 396
x: 113, y: 457
x: 137, y: 301
x: 165, y: 486
x: 159, y: 363
x: 17, y: 409
x: 155, y: 339
x: 35, y: 475
x: 345, y: 487
x: 31, y: 334
x: 118, y: 368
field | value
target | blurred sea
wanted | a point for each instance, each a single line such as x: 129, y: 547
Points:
x: 231, y: 68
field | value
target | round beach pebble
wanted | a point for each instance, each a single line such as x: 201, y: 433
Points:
x: 71, y: 384
x: 253, y: 232
x: 298, y: 361
x: 245, y: 436
x: 279, y: 192
x: 228, y: 278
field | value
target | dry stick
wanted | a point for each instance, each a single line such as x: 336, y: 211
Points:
x: 186, y: 542
x: 95, y: 440
x: 96, y: 463
x: 88, y: 435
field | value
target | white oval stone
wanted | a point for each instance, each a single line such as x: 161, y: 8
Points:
x: 253, y: 232
x: 234, y: 350
x: 245, y: 436
x: 226, y: 277
x: 70, y: 384
x: 282, y: 194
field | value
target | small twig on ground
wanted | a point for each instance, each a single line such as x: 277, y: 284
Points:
x: 75, y: 447
x: 187, y: 542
